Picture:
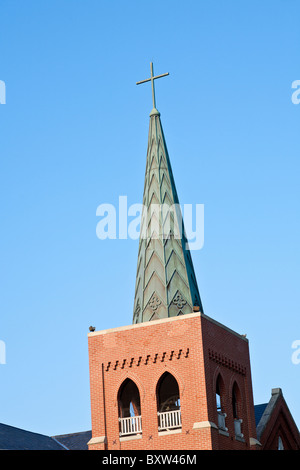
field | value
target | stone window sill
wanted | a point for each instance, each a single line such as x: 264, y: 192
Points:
x: 171, y: 431
x: 223, y: 432
x: 130, y: 438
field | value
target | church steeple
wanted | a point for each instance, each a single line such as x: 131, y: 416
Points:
x: 166, y: 285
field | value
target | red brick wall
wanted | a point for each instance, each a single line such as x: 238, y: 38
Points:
x: 227, y: 353
x: 193, y: 348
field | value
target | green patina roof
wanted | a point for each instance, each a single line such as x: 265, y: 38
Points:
x: 166, y: 285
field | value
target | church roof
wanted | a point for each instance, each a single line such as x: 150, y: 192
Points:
x: 259, y: 411
x: 76, y: 440
x: 12, y: 438
x: 166, y: 284
x: 274, y: 420
x: 267, y: 411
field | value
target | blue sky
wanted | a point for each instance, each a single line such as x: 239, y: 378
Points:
x: 74, y: 135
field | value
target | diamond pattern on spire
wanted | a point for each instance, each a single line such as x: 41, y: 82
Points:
x: 165, y: 282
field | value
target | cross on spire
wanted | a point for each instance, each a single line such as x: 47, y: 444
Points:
x: 152, y: 78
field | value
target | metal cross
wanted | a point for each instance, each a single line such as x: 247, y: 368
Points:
x: 152, y: 78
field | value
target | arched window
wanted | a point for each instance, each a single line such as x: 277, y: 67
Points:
x: 237, y: 410
x: 235, y: 401
x: 219, y: 391
x: 220, y: 403
x: 129, y: 408
x: 280, y: 444
x: 168, y: 403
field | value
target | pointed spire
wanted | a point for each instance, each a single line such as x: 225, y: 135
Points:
x: 166, y: 285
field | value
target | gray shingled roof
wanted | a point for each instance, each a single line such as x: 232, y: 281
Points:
x: 75, y: 441
x: 12, y: 438
x: 259, y: 411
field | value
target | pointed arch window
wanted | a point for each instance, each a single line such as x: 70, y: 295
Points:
x: 168, y: 403
x: 235, y: 401
x: 129, y: 404
x: 236, y: 411
x: 220, y: 403
x: 280, y: 444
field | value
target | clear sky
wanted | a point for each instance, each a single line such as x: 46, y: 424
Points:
x: 73, y: 135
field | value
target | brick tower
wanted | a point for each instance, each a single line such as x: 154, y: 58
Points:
x: 175, y: 378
